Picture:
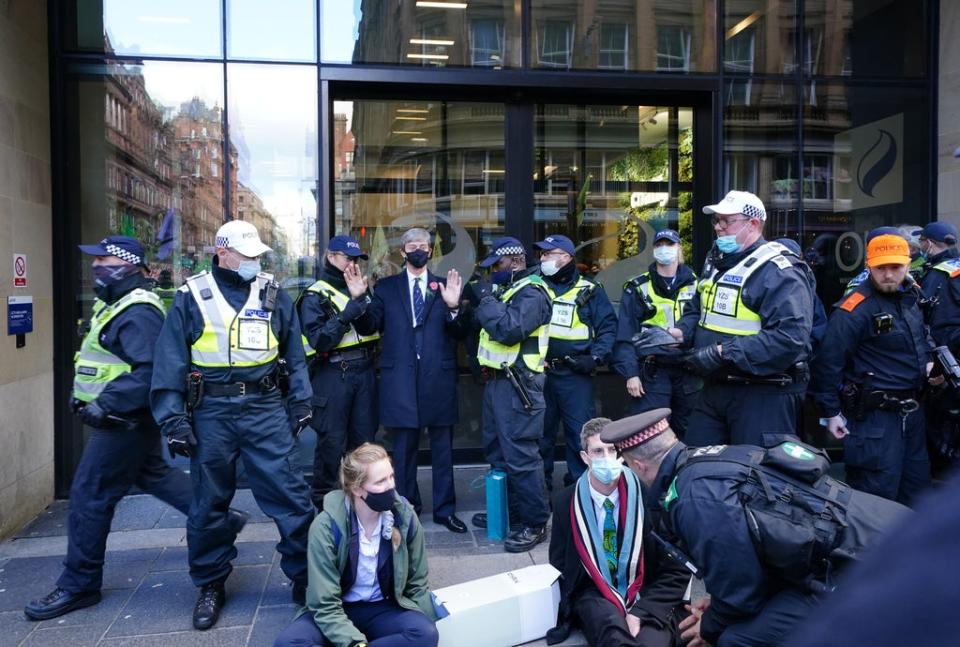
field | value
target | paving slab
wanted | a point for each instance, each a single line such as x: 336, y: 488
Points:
x: 14, y: 627
x: 64, y: 636
x: 268, y: 624
x: 216, y: 637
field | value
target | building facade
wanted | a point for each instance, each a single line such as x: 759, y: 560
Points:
x: 601, y: 119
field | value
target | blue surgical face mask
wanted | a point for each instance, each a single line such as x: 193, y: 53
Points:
x: 248, y: 270
x: 728, y: 244
x: 606, y: 469
x: 665, y: 254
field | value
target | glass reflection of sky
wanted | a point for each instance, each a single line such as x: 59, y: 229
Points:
x: 169, y: 28
x: 279, y: 30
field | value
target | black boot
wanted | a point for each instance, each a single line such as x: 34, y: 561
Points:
x: 524, y: 540
x: 237, y: 519
x: 480, y: 521
x: 59, y: 602
x: 209, y: 604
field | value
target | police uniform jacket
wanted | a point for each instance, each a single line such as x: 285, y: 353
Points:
x: 416, y: 393
x: 854, y: 345
x: 511, y: 323
x: 131, y: 335
x: 597, y: 313
x: 625, y: 360
x: 944, y: 319
x: 184, y: 325
x: 781, y: 294
x: 324, y: 332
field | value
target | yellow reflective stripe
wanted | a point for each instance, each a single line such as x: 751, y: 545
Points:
x: 576, y: 330
x: 493, y: 354
x: 731, y: 325
x: 350, y: 338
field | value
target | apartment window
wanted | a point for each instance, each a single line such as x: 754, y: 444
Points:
x: 614, y: 39
x: 554, y: 44
x: 486, y: 43
x: 673, y: 49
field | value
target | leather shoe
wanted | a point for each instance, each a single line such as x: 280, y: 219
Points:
x: 525, y: 539
x: 479, y: 520
x: 452, y: 523
x: 59, y: 602
x: 299, y: 593
x: 209, y: 604
x: 237, y: 519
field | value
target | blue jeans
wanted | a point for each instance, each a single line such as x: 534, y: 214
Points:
x: 384, y: 623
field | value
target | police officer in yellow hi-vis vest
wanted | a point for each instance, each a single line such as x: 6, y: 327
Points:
x: 340, y: 338
x: 111, y: 394
x: 749, y: 327
x: 656, y: 298
x: 218, y: 392
x: 513, y: 346
x: 582, y: 329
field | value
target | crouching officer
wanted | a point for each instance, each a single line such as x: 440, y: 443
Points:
x: 868, y: 385
x: 111, y: 390
x: 656, y: 298
x: 767, y: 529
x: 226, y: 338
x: 340, y: 342
x: 582, y: 330
x: 512, y: 349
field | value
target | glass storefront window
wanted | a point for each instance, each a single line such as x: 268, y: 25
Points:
x: 481, y: 33
x: 281, y: 30
x: 759, y: 36
x: 273, y: 136
x: 633, y: 35
x: 609, y: 177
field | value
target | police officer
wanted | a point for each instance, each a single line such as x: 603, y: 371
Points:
x: 656, y: 298
x: 513, y: 346
x: 165, y: 289
x: 225, y: 338
x: 582, y: 330
x: 868, y: 384
x: 938, y: 243
x: 761, y: 586
x: 110, y: 393
x: 819, y: 324
x: 749, y: 327
x: 340, y: 343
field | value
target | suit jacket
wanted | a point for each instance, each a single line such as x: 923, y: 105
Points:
x: 664, y: 580
x: 416, y: 393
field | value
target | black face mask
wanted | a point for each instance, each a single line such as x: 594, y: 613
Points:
x: 381, y: 501
x: 418, y: 258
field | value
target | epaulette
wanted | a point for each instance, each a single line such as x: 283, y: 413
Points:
x: 852, y: 300
x: 636, y: 281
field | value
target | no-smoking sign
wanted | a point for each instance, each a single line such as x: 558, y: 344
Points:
x: 19, y: 270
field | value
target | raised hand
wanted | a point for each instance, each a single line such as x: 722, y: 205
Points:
x: 452, y: 290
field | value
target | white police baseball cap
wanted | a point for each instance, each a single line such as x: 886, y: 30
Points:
x: 241, y: 236
x: 739, y: 202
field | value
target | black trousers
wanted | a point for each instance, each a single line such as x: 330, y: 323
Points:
x: 406, y: 442
x: 743, y: 414
x: 603, y: 625
x: 780, y: 617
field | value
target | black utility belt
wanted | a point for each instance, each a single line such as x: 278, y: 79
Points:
x: 350, y: 355
x: 266, y: 384
x: 902, y: 402
x: 796, y: 374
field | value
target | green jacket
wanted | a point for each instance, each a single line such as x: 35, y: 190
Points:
x: 327, y: 560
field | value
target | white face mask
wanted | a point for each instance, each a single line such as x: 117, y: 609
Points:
x: 549, y: 268
x: 665, y: 254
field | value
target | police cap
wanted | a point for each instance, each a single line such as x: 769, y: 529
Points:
x: 635, y: 430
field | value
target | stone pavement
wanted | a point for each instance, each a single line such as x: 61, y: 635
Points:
x: 147, y: 594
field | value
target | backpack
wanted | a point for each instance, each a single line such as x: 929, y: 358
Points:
x: 805, y: 525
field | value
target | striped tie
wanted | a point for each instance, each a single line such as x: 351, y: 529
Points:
x: 417, y: 301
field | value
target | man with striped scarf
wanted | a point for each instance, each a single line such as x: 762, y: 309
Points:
x: 618, y: 588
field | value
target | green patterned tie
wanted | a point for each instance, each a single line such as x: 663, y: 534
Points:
x: 610, y: 539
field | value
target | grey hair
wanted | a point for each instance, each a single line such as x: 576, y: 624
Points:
x: 590, y: 429
x: 414, y: 234
x: 652, y: 451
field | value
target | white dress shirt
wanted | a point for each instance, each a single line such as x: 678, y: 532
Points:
x: 366, y: 586
x: 598, y: 499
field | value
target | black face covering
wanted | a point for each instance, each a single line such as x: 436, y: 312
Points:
x: 113, y: 281
x: 418, y: 258
x: 381, y: 501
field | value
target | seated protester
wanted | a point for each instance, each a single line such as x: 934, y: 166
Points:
x: 616, y: 584
x: 367, y: 565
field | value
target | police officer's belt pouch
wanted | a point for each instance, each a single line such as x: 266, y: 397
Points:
x: 799, y: 460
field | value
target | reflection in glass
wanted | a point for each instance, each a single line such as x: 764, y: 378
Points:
x: 609, y: 177
x: 759, y: 36
x: 273, y: 127
x: 146, y: 27
x: 281, y: 30
x: 643, y: 35
x: 481, y: 33
x: 431, y: 164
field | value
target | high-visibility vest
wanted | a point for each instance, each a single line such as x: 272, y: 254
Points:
x: 668, y: 310
x: 339, y: 300
x: 232, y: 338
x: 533, y: 349
x: 721, y: 300
x: 94, y: 366
x: 565, y: 322
x: 951, y: 267
x: 166, y: 295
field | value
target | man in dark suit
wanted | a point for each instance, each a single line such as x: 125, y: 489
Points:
x: 617, y: 584
x: 418, y: 314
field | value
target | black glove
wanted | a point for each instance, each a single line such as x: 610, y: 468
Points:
x: 300, y: 416
x: 704, y: 360
x: 180, y: 438
x: 353, y: 309
x: 483, y: 288
x: 93, y: 415
x: 584, y: 364
x: 76, y: 406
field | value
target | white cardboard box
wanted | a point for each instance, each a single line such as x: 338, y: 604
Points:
x: 502, y: 610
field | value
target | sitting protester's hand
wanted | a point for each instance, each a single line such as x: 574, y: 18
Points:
x: 690, y: 626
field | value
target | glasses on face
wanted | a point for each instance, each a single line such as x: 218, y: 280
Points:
x: 723, y: 222
x: 552, y: 253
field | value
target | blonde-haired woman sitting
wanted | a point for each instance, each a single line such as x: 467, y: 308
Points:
x: 367, y: 565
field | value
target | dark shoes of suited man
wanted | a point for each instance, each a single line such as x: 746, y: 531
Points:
x: 209, y: 604
x: 479, y: 520
x: 451, y: 523
x: 525, y: 539
x: 59, y: 602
